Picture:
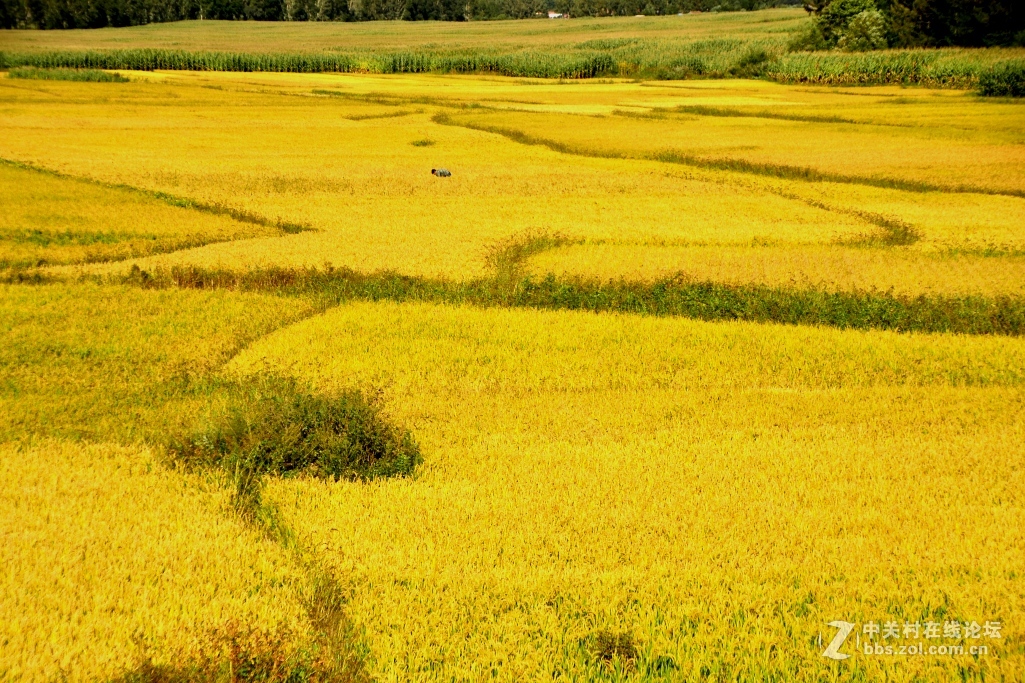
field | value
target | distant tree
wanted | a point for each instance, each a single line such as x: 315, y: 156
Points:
x: 915, y: 23
x: 865, y: 31
x: 956, y: 22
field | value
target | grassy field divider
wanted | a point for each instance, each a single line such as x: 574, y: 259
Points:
x: 217, y: 209
x: 669, y: 156
x: 671, y: 296
x: 733, y: 112
x: 891, y: 232
x: 993, y: 74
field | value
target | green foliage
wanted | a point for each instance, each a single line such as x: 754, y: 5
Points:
x: 808, y: 40
x: 271, y: 425
x: 1005, y: 81
x: 974, y: 23
x: 866, y: 31
x: 934, y: 68
x: 534, y: 65
x: 638, y: 58
x: 609, y: 647
x: 929, y: 23
x: 837, y: 16
x: 60, y: 74
x: 751, y: 64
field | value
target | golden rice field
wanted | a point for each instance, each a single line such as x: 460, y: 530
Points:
x: 603, y: 496
x: 52, y: 220
x: 109, y: 560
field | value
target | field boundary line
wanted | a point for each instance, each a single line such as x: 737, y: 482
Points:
x: 783, y: 171
x: 177, y: 201
x: 673, y: 296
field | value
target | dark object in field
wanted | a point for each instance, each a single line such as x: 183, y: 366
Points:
x: 441, y: 172
x: 610, y: 646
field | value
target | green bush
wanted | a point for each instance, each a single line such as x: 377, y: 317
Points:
x: 1005, y: 81
x: 808, y: 40
x: 272, y: 425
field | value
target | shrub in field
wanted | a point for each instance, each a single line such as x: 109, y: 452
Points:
x: 1005, y: 81
x: 88, y: 75
x: 751, y: 64
x: 273, y: 426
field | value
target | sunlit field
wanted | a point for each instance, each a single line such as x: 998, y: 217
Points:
x: 111, y: 561
x: 718, y: 493
x: 771, y: 26
x: 51, y: 220
x: 688, y: 370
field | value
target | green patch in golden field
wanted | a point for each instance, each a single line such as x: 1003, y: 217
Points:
x: 122, y: 561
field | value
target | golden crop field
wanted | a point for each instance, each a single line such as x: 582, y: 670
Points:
x: 676, y: 373
x: 111, y: 560
x: 769, y: 26
x: 52, y: 220
x: 718, y: 493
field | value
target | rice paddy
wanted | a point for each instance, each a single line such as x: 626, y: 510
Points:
x: 678, y: 374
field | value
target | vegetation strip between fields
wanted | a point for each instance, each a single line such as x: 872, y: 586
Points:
x: 646, y: 59
x: 674, y: 296
x: 669, y: 156
x: 241, y: 215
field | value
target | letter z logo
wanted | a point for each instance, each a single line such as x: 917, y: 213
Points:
x: 843, y: 629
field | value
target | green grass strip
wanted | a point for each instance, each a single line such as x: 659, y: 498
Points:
x: 240, y: 215
x: 712, y: 301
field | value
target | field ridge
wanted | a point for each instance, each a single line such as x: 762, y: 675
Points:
x: 676, y: 296
x: 783, y: 171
